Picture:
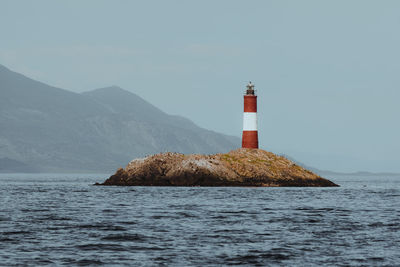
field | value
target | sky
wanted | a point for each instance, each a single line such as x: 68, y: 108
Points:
x: 326, y: 72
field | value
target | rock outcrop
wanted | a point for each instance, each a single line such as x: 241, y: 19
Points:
x: 241, y: 167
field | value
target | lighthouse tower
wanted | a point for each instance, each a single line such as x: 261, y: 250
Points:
x: 250, y: 134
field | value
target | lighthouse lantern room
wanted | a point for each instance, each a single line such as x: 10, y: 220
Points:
x: 250, y: 133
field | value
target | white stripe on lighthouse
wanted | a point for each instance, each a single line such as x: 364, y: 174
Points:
x: 250, y: 121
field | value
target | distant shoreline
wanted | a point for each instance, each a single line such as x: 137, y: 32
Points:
x: 358, y: 173
x: 320, y: 172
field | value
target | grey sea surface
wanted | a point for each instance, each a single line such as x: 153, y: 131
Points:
x: 62, y: 219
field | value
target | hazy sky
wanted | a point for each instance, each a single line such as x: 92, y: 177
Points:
x: 327, y: 72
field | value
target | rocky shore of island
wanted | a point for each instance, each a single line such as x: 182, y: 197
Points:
x: 241, y: 167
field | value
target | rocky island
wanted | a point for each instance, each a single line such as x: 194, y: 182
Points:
x: 241, y: 167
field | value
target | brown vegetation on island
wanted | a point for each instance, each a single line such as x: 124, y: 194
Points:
x: 241, y: 167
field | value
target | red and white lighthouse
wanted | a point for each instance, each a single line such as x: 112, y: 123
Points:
x: 250, y: 133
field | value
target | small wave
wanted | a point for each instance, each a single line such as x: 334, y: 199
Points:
x: 236, y: 231
x: 4, y: 219
x: 267, y: 209
x: 376, y: 259
x: 6, y: 239
x: 256, y: 259
x: 148, y: 248
x: 16, y: 233
x: 283, y: 219
x: 100, y: 246
x: 42, y: 262
x: 219, y: 217
x: 376, y: 224
x: 105, y: 227
x: 89, y: 262
x: 186, y: 215
x: 124, y: 237
x: 313, y: 221
x: 53, y: 218
x: 108, y: 211
x: 35, y: 210
x: 235, y: 212
x: 158, y: 217
x: 127, y: 222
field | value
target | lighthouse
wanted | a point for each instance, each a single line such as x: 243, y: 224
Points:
x: 250, y: 134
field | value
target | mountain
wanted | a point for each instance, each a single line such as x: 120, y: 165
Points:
x: 48, y: 129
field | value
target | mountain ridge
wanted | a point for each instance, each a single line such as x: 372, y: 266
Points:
x: 56, y: 130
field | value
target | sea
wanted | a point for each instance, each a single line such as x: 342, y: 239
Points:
x: 62, y: 219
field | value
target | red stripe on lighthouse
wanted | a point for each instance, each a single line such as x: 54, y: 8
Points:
x: 250, y: 139
x: 250, y: 103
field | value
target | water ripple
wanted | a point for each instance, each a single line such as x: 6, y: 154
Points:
x: 53, y: 220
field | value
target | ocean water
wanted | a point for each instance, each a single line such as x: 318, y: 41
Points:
x: 61, y: 219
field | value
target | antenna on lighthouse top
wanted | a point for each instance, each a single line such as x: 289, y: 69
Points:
x: 250, y: 89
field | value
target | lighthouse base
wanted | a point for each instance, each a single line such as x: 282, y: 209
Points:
x: 250, y: 139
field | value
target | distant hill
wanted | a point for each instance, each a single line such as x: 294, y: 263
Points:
x: 328, y: 173
x: 44, y: 128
